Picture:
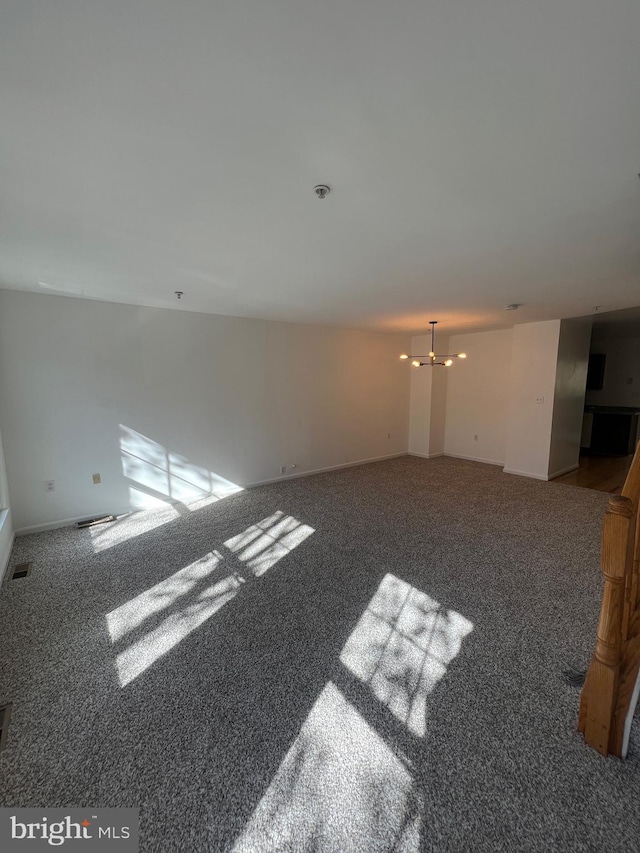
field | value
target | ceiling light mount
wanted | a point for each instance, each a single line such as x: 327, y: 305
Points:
x: 432, y: 358
x: 322, y: 190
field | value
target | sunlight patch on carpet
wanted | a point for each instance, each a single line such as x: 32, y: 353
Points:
x: 161, y: 617
x: 263, y: 544
x: 340, y: 787
x: 129, y: 616
x: 401, y: 648
x: 173, y: 630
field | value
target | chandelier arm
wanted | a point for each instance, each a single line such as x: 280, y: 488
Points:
x: 432, y: 356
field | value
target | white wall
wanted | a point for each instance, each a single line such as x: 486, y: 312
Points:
x: 428, y: 401
x: 437, y: 431
x: 164, y: 403
x: 622, y: 364
x: 420, y: 406
x: 477, y: 396
x: 517, y: 400
x: 533, y: 378
x: 568, y: 405
x: 6, y: 524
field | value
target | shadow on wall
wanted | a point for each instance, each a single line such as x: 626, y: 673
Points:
x: 160, y: 480
x: 156, y: 476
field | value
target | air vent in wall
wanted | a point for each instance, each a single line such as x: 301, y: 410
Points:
x: 91, y: 522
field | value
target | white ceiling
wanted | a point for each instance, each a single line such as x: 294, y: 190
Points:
x: 480, y: 152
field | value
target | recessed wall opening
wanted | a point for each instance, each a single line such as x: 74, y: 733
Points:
x: 611, y: 423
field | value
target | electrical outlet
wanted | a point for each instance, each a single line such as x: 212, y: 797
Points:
x: 49, y: 485
x: 283, y: 469
x: 97, y: 479
x: 539, y: 400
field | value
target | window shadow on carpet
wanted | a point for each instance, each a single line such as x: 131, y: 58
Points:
x: 347, y: 783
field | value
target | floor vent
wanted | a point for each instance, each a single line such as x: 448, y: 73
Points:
x: 5, y: 713
x: 89, y: 522
x: 20, y: 571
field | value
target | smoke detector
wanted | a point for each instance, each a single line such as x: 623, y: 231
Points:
x: 322, y: 190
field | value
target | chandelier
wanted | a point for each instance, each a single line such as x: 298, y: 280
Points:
x: 432, y: 357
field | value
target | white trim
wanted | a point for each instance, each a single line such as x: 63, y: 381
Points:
x: 68, y: 522
x: 322, y: 470
x: 456, y: 456
x: 629, y: 717
x: 473, y: 458
x: 5, y: 559
x: 526, y: 474
x: 564, y: 471
x: 65, y: 522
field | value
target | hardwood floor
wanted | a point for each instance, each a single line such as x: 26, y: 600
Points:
x: 603, y: 473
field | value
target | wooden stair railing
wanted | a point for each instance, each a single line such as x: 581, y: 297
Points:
x: 610, y: 690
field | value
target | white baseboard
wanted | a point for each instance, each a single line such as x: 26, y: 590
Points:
x: 66, y: 522
x: 6, y: 557
x: 526, y: 474
x: 474, y: 459
x: 564, y: 471
x: 323, y: 470
x: 499, y: 464
x: 627, y: 723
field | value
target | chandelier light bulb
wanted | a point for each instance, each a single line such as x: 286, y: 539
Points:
x: 433, y: 358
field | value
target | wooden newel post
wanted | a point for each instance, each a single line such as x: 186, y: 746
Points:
x: 615, y: 562
x: 599, y: 693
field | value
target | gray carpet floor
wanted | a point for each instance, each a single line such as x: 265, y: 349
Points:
x: 365, y: 660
